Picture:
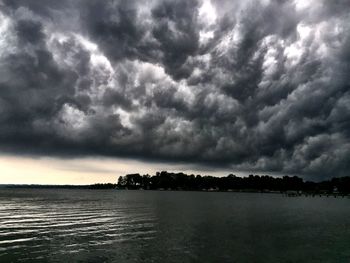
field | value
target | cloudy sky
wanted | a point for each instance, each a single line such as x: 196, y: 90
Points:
x: 91, y: 89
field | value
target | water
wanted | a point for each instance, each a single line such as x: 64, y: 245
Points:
x: 157, y: 226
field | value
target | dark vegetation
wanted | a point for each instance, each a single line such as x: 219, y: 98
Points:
x: 265, y: 183
x: 180, y: 181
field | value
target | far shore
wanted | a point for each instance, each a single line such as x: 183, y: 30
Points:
x: 291, y: 186
x: 114, y: 187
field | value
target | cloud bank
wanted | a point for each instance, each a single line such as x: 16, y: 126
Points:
x: 252, y: 85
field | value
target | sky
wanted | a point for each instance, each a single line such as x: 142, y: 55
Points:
x: 91, y: 89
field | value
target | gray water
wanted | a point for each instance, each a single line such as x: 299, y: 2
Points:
x: 157, y: 226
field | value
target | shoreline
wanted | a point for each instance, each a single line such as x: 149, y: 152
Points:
x: 287, y: 193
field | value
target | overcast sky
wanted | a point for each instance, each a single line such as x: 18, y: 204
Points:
x: 223, y: 85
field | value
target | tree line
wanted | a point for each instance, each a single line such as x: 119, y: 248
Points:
x: 264, y: 183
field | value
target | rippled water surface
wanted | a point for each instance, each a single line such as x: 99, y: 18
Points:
x: 38, y: 225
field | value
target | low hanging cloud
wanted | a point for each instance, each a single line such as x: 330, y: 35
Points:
x: 253, y: 85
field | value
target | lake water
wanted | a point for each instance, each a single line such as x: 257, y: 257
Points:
x: 160, y: 226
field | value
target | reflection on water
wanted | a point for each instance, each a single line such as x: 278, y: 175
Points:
x: 153, y: 226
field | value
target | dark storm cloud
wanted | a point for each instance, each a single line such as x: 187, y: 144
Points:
x: 252, y: 85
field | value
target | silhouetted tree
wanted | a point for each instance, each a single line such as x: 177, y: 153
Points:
x: 180, y: 181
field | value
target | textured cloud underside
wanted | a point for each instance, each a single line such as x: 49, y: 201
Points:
x: 255, y: 85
